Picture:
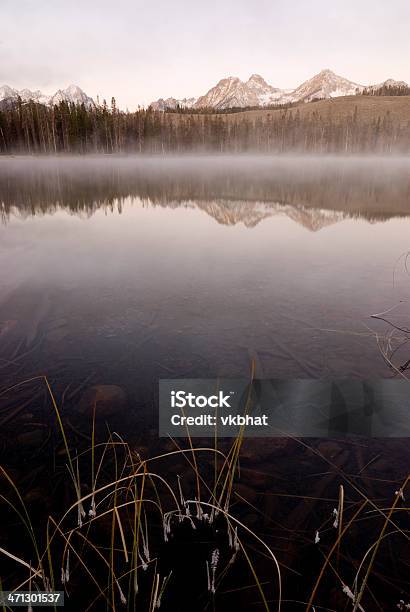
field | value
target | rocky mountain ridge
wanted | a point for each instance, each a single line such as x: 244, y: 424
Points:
x: 72, y: 94
x: 232, y: 92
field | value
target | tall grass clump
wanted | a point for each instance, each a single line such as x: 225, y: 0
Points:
x: 136, y: 534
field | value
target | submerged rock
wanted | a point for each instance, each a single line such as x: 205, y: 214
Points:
x: 109, y: 401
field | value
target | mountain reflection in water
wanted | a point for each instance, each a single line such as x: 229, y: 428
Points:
x: 312, y: 191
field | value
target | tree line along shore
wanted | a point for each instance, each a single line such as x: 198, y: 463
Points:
x: 352, y: 124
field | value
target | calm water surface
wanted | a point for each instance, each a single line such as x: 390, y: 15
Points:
x: 131, y: 270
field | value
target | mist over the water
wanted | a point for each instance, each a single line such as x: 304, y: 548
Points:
x: 374, y: 187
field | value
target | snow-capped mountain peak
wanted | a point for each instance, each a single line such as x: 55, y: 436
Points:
x: 265, y: 93
x: 73, y: 94
x: 228, y: 92
x: 394, y: 83
x: 259, y: 85
x: 326, y: 73
x: 37, y: 96
x: 7, y: 92
x: 387, y: 84
x: 232, y: 92
x: 257, y: 78
x: 172, y: 103
x: 325, y: 84
x: 11, y: 94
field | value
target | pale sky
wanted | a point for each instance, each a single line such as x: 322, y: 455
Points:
x: 139, y: 51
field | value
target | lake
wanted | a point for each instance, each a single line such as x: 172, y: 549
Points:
x: 120, y: 271
x: 192, y: 267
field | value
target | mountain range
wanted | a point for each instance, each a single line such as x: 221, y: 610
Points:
x: 73, y: 94
x: 231, y: 92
